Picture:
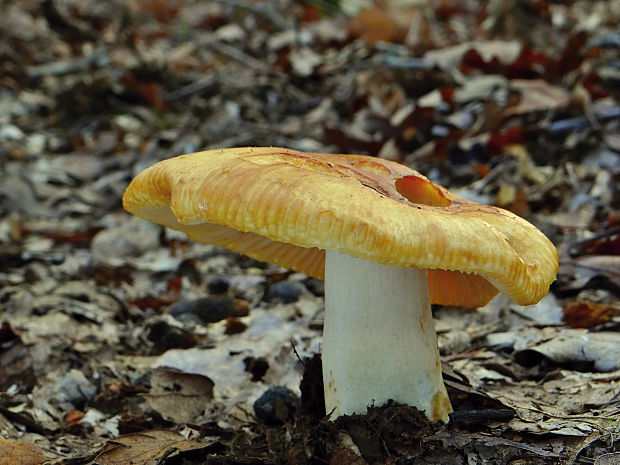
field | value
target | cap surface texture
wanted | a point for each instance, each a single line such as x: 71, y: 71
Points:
x: 287, y: 207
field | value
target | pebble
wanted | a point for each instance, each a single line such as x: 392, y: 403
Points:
x: 218, y: 285
x: 286, y: 291
x: 207, y: 310
x: 276, y: 405
x: 316, y: 286
x: 258, y: 366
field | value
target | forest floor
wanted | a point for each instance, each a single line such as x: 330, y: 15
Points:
x: 123, y: 342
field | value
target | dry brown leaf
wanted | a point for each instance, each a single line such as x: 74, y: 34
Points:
x: 346, y: 457
x: 179, y: 397
x: 377, y: 24
x: 144, y: 448
x: 586, y: 314
x: 14, y: 452
x: 537, y: 95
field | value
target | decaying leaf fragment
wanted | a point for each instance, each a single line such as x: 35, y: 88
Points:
x: 144, y: 448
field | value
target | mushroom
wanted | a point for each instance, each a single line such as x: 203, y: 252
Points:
x: 387, y: 241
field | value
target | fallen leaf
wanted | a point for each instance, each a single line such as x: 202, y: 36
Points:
x: 375, y: 25
x: 576, y: 346
x: 347, y: 457
x: 586, y: 314
x: 607, y: 244
x: 608, y: 266
x: 150, y: 92
x: 546, y: 312
x: 234, y: 326
x: 537, y: 95
x: 497, y: 142
x: 450, y: 57
x: 179, y: 397
x: 529, y: 64
x: 77, y: 237
x: 144, y: 448
x: 74, y: 416
x: 15, y: 452
x: 482, y: 87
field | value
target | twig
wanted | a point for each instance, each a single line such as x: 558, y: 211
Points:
x: 573, y: 249
x: 99, y: 58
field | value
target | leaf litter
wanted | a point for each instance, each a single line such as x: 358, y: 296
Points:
x: 121, y: 341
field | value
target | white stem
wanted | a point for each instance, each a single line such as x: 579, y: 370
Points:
x: 379, y: 340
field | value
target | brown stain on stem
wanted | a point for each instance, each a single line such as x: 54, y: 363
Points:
x: 440, y: 406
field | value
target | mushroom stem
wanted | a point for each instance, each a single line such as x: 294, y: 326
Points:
x: 379, y: 340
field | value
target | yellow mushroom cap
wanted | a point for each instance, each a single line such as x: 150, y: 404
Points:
x: 287, y: 207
